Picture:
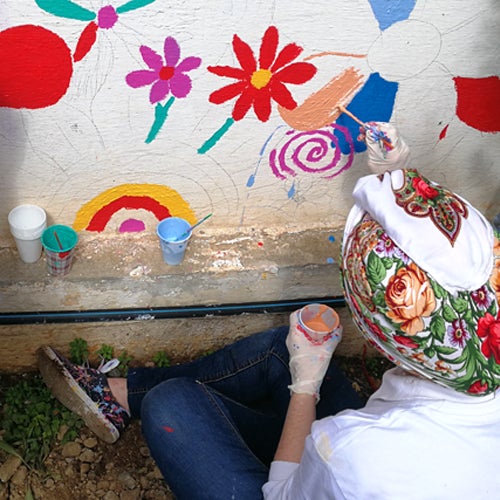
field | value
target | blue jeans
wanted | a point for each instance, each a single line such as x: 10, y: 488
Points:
x: 213, y: 425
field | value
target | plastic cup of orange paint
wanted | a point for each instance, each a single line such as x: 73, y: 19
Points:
x: 318, y: 322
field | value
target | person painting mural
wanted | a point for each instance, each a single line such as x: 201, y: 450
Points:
x: 272, y: 416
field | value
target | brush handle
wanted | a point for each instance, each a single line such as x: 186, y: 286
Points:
x: 185, y: 233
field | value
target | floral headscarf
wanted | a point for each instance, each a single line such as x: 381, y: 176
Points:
x: 449, y: 335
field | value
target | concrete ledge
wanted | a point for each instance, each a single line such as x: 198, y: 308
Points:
x: 128, y: 272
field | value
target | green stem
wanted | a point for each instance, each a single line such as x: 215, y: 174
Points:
x: 161, y: 113
x: 210, y: 143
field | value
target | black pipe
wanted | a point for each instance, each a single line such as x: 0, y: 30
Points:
x: 142, y: 314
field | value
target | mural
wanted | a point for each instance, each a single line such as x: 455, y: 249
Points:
x: 273, y: 134
x: 259, y: 84
x: 165, y: 78
x: 21, y: 45
x: 161, y: 201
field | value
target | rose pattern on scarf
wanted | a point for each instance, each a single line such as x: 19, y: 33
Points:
x: 421, y: 198
x: 410, y: 298
x: 417, y: 324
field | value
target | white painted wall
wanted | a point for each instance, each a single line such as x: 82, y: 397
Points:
x: 93, y: 139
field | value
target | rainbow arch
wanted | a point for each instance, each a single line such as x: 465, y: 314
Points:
x: 160, y: 200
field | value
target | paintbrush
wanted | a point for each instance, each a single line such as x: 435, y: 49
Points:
x: 377, y: 133
x: 185, y: 233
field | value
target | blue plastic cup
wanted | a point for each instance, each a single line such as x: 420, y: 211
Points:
x: 173, y: 239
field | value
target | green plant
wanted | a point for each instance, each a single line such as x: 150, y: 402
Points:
x: 79, y: 351
x: 106, y: 352
x: 32, y: 419
x: 124, y: 360
x: 161, y: 359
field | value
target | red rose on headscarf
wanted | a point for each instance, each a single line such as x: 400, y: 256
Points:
x: 477, y: 387
x: 376, y: 330
x: 423, y: 189
x: 488, y: 329
x: 407, y: 342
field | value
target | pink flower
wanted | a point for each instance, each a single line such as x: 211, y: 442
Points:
x: 164, y: 77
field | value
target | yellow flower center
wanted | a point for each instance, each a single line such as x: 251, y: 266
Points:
x: 260, y: 78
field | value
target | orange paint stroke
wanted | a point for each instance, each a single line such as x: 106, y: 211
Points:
x: 341, y: 54
x: 321, y: 108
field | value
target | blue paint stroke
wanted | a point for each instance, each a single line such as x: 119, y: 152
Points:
x: 388, y: 12
x: 374, y: 102
x: 291, y: 191
x: 331, y: 238
x: 330, y: 260
x: 251, y: 181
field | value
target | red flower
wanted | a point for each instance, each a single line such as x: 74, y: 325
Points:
x: 376, y: 330
x: 423, y: 189
x: 488, y: 329
x: 477, y: 387
x: 257, y: 85
x: 406, y: 341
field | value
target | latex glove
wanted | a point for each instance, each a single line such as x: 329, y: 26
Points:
x: 387, y: 151
x: 308, y: 360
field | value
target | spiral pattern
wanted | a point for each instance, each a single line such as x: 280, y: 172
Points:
x: 314, y: 152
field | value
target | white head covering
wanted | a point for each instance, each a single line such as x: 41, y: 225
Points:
x: 421, y: 274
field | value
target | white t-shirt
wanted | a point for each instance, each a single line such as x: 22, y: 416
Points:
x: 414, y: 439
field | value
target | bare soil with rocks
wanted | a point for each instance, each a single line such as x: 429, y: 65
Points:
x: 87, y: 468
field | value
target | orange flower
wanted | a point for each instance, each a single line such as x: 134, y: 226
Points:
x: 409, y: 297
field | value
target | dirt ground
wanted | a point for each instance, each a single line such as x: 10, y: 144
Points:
x: 88, y: 468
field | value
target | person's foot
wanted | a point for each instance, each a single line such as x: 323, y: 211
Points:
x: 84, y: 391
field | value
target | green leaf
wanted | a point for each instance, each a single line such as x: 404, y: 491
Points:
x: 459, y: 304
x: 375, y: 269
x: 438, y: 328
x: 387, y: 261
x: 449, y: 314
x: 439, y: 291
x: 379, y: 299
x: 430, y: 352
x: 442, y: 349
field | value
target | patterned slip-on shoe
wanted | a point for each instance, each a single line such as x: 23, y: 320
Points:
x: 84, y: 391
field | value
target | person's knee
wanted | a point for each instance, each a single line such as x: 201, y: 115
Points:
x: 168, y: 399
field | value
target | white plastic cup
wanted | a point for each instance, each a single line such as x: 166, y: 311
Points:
x: 173, y: 241
x: 318, y: 322
x: 27, y: 223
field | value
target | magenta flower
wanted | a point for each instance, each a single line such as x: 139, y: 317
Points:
x: 458, y: 333
x: 167, y: 77
x: 385, y: 246
x: 482, y: 298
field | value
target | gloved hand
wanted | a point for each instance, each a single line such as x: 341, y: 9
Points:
x: 387, y: 150
x: 309, y: 360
